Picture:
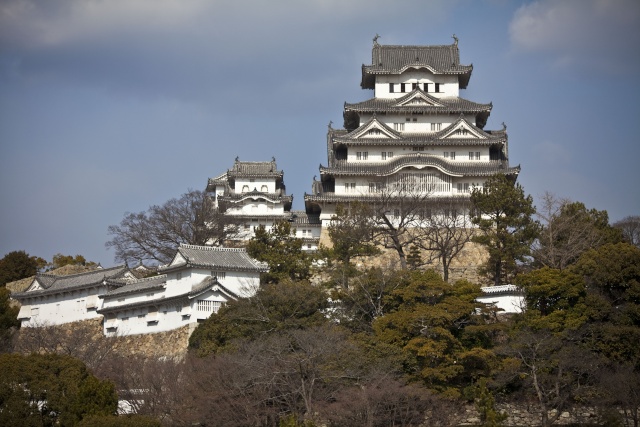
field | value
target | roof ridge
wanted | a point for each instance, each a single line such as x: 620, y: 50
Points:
x: 211, y: 248
x: 149, y: 279
x: 62, y: 276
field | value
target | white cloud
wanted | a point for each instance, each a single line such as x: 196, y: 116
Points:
x: 600, y: 34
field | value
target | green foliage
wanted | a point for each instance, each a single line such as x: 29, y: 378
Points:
x: 50, y: 390
x: 274, y: 307
x: 60, y: 260
x: 17, y: 265
x: 350, y: 232
x: 486, y: 406
x: 613, y: 271
x: 428, y: 324
x: 503, y: 215
x: 282, y: 252
x: 8, y: 318
x: 556, y: 298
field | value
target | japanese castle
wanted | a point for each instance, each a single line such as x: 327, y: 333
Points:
x: 416, y: 133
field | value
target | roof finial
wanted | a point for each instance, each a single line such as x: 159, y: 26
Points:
x: 330, y: 123
x: 504, y: 127
x: 455, y: 42
x: 375, y: 40
x: 237, y: 159
x: 273, y: 158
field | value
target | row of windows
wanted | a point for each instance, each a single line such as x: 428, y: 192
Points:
x: 473, y: 155
x: 264, y: 188
x: 408, y: 87
x: 418, y: 182
x: 364, y: 155
x: 218, y: 274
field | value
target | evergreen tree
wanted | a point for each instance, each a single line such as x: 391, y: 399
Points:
x: 282, y: 251
x: 503, y: 215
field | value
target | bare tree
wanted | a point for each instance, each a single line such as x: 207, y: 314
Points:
x: 568, y: 230
x: 630, y: 227
x: 155, y: 235
x: 397, y: 208
x: 444, y: 232
x: 555, y: 371
x: 82, y: 340
x: 381, y: 400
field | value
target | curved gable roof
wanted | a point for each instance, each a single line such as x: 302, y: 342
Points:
x: 395, y: 59
x: 214, y: 257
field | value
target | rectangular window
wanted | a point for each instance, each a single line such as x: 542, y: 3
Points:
x: 365, y: 155
x: 436, y: 126
x: 349, y: 187
x: 402, y: 87
x: 415, y: 119
x: 477, y: 155
x: 437, y: 87
x: 390, y: 154
x: 470, y: 155
x: 417, y: 148
x: 414, y: 86
x: 426, y: 87
x: 463, y: 187
x: 390, y: 87
x: 398, y: 126
x: 208, y: 306
x: 408, y: 119
x: 179, y: 275
x: 383, y: 155
x: 219, y: 274
x: 446, y: 154
x: 359, y: 155
x: 453, y: 155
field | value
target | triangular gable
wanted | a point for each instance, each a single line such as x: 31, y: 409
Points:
x: 463, y: 129
x: 374, y: 129
x: 178, y: 259
x: 417, y: 98
x: 34, y: 286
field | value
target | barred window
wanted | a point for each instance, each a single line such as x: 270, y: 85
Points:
x: 219, y: 274
x: 208, y: 306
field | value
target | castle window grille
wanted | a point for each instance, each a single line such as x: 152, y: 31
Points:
x: 420, y: 182
x: 208, y: 306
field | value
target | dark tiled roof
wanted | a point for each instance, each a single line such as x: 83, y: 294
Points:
x: 55, y: 284
x: 197, y: 289
x: 215, y: 257
x: 255, y: 169
x: 392, y: 59
x: 303, y: 218
x: 474, y: 168
x: 272, y: 197
x: 156, y: 282
x: 444, y: 105
x: 346, y: 198
x: 489, y: 138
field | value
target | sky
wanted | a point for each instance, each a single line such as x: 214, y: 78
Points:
x: 109, y: 107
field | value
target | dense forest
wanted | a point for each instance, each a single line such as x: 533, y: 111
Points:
x: 334, y: 338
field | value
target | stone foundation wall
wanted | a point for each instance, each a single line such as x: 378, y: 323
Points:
x: 523, y: 415
x: 464, y: 265
x: 82, y: 339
